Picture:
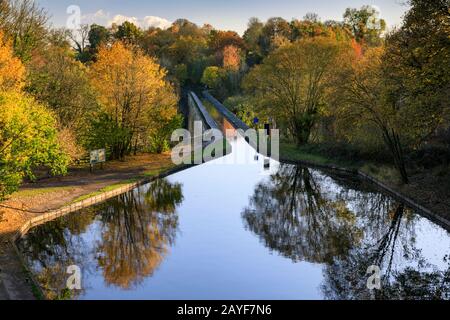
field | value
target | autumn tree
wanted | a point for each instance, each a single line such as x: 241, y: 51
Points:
x: 218, y: 40
x: 12, y: 71
x: 130, y: 86
x: 275, y: 31
x: 366, y: 100
x: 418, y: 59
x: 291, y: 84
x: 60, y: 81
x: 231, y: 58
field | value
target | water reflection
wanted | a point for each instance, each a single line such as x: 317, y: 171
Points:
x: 135, y: 229
x: 306, y: 216
x: 291, y: 215
x: 331, y: 228
x: 54, y: 246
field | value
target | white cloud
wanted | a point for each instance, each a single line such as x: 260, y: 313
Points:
x: 119, y: 19
x: 106, y: 19
x: 157, y: 22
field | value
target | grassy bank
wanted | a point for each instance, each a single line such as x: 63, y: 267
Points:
x: 323, y: 155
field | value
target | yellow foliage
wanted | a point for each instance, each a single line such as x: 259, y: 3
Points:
x: 127, y: 81
x: 132, y: 90
x: 12, y: 70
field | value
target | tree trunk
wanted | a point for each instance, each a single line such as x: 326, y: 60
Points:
x: 393, y: 142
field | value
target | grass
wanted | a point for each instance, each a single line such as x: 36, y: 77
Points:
x: 39, y: 191
x: 118, y: 185
x: 111, y: 187
x: 318, y: 155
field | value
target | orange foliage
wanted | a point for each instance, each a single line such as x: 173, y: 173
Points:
x: 12, y: 71
x: 222, y: 39
x: 231, y: 58
x: 357, y: 48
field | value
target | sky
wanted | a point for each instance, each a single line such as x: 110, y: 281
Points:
x: 222, y: 14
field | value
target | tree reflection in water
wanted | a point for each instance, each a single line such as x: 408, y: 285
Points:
x: 137, y: 232
x: 291, y: 216
x: 137, y: 229
x: 305, y: 216
x: 52, y: 247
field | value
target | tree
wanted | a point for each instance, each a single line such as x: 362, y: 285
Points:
x: 212, y: 77
x: 98, y: 36
x: 163, y: 120
x: 138, y: 231
x: 12, y: 71
x: 367, y: 100
x: 128, y: 33
x: 231, y: 58
x: 80, y: 39
x: 418, y: 59
x: 253, y: 33
x: 221, y: 39
x: 291, y: 84
x: 130, y: 85
x: 61, y: 82
x: 25, y: 24
x: 294, y: 216
x: 365, y: 23
x: 28, y: 139
x: 275, y: 31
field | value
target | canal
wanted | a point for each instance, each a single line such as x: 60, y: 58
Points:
x: 232, y: 229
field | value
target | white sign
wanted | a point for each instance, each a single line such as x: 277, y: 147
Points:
x: 98, y: 156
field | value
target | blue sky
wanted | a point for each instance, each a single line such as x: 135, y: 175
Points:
x: 222, y: 14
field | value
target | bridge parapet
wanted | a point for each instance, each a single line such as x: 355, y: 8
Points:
x: 196, y: 105
x: 231, y: 117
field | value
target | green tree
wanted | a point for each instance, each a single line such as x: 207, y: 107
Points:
x: 252, y: 37
x: 28, y: 139
x: 212, y: 77
x: 365, y: 23
x: 128, y: 33
x: 98, y: 36
x: 291, y: 84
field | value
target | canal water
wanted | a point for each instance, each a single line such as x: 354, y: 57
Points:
x: 232, y: 229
